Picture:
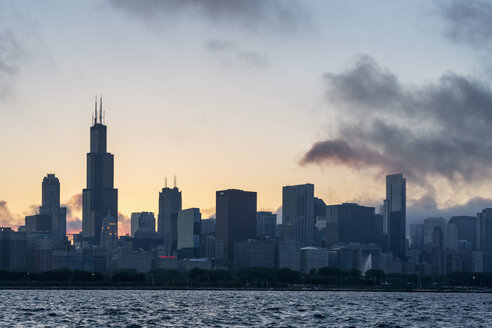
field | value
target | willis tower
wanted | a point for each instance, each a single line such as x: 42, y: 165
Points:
x: 100, y: 198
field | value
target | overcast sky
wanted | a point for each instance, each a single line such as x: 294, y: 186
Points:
x: 249, y: 94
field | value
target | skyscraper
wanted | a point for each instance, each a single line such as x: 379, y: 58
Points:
x: 188, y: 229
x: 100, y: 198
x: 236, y: 218
x: 395, y: 214
x: 51, y: 207
x: 170, y: 203
x: 109, y: 232
x: 350, y: 222
x: 142, y: 220
x: 298, y: 210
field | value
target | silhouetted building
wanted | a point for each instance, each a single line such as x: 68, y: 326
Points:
x: 109, y: 232
x: 207, y: 238
x: 51, y: 207
x: 208, y: 226
x: 395, y: 214
x: 100, y: 197
x: 288, y: 255
x: 189, y: 224
x: 429, y: 225
x: 319, y: 209
x: 298, y: 210
x: 466, y: 228
x: 170, y: 203
x: 140, y: 220
x: 417, y: 236
x: 254, y: 253
x: 12, y: 250
x: 266, y: 224
x: 286, y: 232
x: 145, y: 239
x: 484, y: 237
x: 38, y: 224
x: 39, y: 247
x: 451, y: 239
x: 437, y: 253
x: 140, y: 261
x: 350, y: 222
x: 313, y: 258
x: 236, y: 219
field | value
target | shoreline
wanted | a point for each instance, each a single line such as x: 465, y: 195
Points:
x: 305, y: 289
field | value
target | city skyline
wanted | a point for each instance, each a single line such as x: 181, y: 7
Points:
x: 292, y: 99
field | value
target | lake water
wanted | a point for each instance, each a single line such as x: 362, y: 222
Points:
x: 144, y: 308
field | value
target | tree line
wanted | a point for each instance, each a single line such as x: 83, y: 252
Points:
x: 253, y: 277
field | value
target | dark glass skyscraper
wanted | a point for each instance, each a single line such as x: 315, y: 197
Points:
x: 51, y: 207
x: 100, y: 198
x: 170, y: 203
x: 236, y: 218
x: 395, y: 213
x: 298, y: 211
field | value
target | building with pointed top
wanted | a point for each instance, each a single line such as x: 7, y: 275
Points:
x: 51, y: 207
x: 170, y: 203
x: 99, y: 198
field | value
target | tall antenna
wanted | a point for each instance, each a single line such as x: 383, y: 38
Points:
x: 95, y: 111
x: 175, y: 181
x: 165, y: 182
x: 100, y: 109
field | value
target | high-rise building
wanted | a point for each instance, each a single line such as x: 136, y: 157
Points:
x: 100, y: 198
x: 417, y: 236
x: 429, y: 225
x: 298, y: 210
x: 51, y: 207
x: 236, y: 219
x: 350, y: 222
x: 170, y: 203
x: 12, y: 250
x: 484, y: 229
x: 466, y: 227
x: 254, y: 253
x: 395, y: 208
x: 109, y: 232
x: 142, y: 220
x: 266, y: 224
x: 188, y: 243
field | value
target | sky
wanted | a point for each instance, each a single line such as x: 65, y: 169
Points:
x: 248, y: 94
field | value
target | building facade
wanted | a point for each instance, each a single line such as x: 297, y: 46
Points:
x: 188, y: 229
x: 236, y: 219
x: 99, y: 197
x: 142, y: 220
x: 170, y: 203
x: 298, y: 210
x: 395, y: 213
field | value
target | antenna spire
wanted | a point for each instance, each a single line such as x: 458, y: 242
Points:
x: 95, y: 111
x: 165, y: 182
x: 175, y: 181
x: 100, y: 109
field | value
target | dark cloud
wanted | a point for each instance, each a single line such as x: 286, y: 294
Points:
x: 437, y: 129
x: 11, y: 54
x: 468, y: 22
x: 426, y: 206
x: 233, y: 55
x: 252, y: 15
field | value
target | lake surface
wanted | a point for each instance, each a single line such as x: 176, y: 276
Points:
x: 144, y: 308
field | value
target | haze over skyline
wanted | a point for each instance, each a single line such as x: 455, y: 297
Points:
x: 252, y: 95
